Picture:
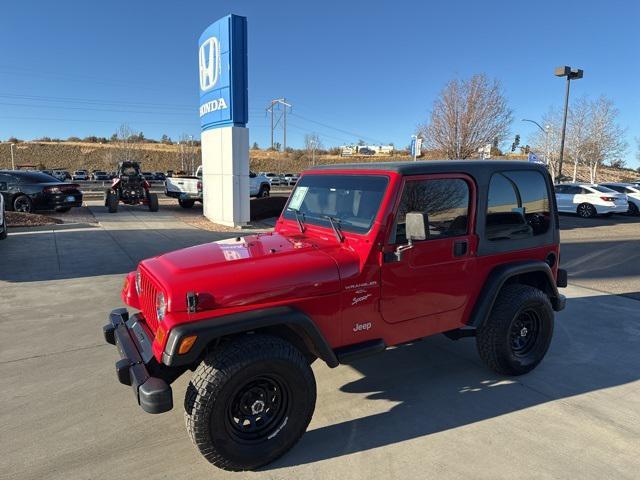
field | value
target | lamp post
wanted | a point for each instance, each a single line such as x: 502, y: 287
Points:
x: 571, y: 74
x: 415, y: 147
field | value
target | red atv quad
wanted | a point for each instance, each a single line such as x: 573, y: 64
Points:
x: 130, y: 188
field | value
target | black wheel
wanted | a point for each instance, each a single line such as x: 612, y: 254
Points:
x: 153, y: 202
x: 633, y: 209
x: 586, y: 210
x: 264, y: 191
x: 517, y: 334
x: 106, y: 197
x: 23, y: 204
x: 186, y: 203
x: 62, y: 209
x: 249, y: 402
x: 112, y: 202
x: 3, y: 230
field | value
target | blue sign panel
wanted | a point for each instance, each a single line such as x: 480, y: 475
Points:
x: 222, y: 62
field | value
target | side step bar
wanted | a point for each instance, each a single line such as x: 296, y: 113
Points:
x: 353, y: 352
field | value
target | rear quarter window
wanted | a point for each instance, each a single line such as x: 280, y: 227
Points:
x: 518, y: 205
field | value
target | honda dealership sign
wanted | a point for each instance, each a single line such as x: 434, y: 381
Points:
x: 222, y: 62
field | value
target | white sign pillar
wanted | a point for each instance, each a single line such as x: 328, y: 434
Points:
x: 225, y: 175
x: 222, y: 61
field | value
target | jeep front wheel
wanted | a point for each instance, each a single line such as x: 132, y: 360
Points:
x: 517, y: 334
x: 249, y: 402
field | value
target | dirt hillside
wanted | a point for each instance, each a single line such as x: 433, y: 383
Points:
x: 161, y: 157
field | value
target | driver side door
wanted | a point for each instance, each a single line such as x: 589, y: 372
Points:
x: 429, y: 282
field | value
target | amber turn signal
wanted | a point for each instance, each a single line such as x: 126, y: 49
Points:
x: 160, y: 333
x: 186, y: 344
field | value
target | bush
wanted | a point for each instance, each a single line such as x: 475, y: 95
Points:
x: 73, y: 139
x: 14, y: 140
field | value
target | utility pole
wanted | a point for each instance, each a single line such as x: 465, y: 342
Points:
x: 282, y: 104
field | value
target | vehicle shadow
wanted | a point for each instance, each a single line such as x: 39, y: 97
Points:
x: 439, y: 385
x: 570, y: 221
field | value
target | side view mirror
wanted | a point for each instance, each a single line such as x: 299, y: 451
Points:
x: 416, y: 228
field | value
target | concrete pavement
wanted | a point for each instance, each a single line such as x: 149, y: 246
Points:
x: 428, y: 410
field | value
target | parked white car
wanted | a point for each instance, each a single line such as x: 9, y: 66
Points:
x: 589, y: 200
x: 274, y: 178
x: 3, y: 220
x: 290, y: 178
x: 631, y: 191
x: 188, y: 190
x: 80, y: 175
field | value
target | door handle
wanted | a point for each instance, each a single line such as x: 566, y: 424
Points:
x: 460, y: 248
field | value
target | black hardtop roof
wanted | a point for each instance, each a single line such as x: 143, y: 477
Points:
x: 472, y: 167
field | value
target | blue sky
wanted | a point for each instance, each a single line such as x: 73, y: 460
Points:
x: 368, y: 70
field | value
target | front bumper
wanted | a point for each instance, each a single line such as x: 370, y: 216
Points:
x: 137, y: 362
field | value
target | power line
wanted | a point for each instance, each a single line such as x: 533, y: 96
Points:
x: 96, y: 102
x: 92, y: 120
x: 282, y: 104
x: 336, y: 129
x: 93, y: 109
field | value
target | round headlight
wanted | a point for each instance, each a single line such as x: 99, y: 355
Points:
x: 161, y: 306
x: 138, y: 283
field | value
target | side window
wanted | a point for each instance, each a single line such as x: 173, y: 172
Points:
x: 445, y: 201
x: 518, y: 206
x: 560, y: 189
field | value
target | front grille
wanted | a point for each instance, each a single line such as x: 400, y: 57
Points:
x: 148, y: 300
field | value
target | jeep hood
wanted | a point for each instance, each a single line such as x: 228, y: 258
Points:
x: 246, y: 270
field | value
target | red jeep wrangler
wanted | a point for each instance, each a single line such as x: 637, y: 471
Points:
x: 364, y: 257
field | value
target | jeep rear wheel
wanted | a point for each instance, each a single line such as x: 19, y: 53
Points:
x: 249, y: 402
x: 517, y: 334
x: 112, y: 202
x: 153, y: 202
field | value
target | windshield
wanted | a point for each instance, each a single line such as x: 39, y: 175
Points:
x: 352, y: 200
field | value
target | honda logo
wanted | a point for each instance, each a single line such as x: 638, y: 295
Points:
x: 209, y: 60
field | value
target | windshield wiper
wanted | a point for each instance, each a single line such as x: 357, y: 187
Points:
x: 335, y: 225
x: 297, y: 213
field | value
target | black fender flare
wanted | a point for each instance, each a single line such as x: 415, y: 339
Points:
x: 211, y: 329
x: 500, y: 275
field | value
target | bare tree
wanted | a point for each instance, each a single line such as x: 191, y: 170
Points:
x: 126, y: 148
x: 188, y: 154
x: 594, y: 136
x: 466, y: 116
x: 578, y: 132
x: 312, y: 144
x: 548, y: 142
x: 606, y: 136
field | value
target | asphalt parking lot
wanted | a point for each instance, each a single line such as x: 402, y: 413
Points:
x: 428, y: 410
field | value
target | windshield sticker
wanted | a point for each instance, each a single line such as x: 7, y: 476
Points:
x: 298, y: 197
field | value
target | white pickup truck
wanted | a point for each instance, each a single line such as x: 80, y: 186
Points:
x: 188, y: 190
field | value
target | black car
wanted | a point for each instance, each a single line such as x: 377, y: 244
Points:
x: 28, y: 191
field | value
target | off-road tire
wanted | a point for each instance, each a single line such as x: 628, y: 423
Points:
x: 153, y: 202
x: 220, y: 384
x: 3, y: 233
x: 22, y: 203
x: 264, y: 192
x: 586, y: 210
x: 186, y: 203
x: 112, y: 202
x: 495, y: 339
x: 633, y: 209
x: 106, y: 197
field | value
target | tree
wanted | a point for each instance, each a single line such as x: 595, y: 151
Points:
x: 255, y: 146
x: 124, y: 142
x: 466, y: 116
x: 312, y: 144
x: 166, y: 139
x: 593, y: 135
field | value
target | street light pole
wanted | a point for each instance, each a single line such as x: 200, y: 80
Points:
x: 415, y: 147
x: 13, y: 163
x: 571, y: 74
